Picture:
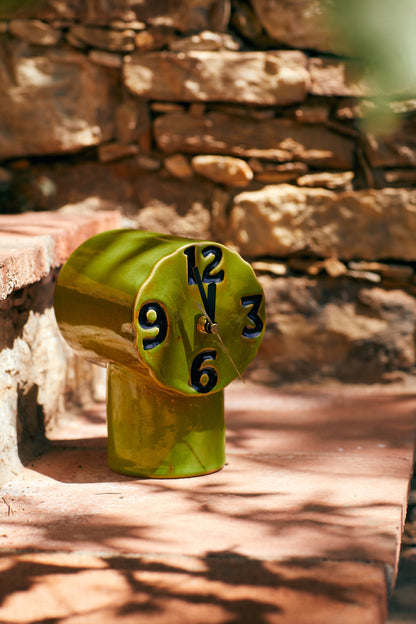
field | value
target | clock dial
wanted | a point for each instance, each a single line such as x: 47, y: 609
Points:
x: 199, y: 318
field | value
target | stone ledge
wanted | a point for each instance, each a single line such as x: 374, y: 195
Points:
x: 34, y: 243
x: 39, y: 375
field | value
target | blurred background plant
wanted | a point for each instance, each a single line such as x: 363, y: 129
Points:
x: 382, y: 36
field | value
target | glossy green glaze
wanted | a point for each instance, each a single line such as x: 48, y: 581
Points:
x: 152, y: 433
x: 143, y: 303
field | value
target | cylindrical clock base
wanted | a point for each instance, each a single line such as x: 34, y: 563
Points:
x: 158, y: 434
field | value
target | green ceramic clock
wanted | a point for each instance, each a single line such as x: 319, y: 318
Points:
x: 176, y: 320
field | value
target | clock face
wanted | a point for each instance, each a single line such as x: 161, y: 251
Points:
x: 199, y: 318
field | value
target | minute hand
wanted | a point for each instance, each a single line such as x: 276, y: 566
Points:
x: 209, y: 300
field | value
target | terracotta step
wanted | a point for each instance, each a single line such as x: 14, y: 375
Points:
x: 302, y: 525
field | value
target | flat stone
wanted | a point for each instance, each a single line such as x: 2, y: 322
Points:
x: 148, y: 163
x: 334, y: 77
x: 154, y: 38
x: 35, y: 31
x: 189, y: 16
x: 317, y: 113
x: 244, y: 77
x: 205, y: 40
x: 274, y: 139
x: 76, y: 98
x: 104, y: 39
x: 32, y: 244
x: 119, y: 24
x: 109, y: 152
x: 133, y: 124
x: 279, y: 220
x: 400, y: 176
x: 272, y: 173
x: 391, y: 272
x: 273, y: 268
x: 178, y: 165
x: 341, y: 180
x: 106, y: 59
x: 306, y: 24
x: 223, y: 169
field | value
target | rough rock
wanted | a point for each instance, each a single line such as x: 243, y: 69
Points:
x: 400, y: 176
x: 245, y: 77
x: 341, y: 180
x: 338, y: 328
x: 35, y: 31
x: 148, y: 162
x: 154, y: 38
x: 312, y: 113
x: 335, y: 77
x: 109, y: 152
x: 389, y: 272
x: 106, y: 59
x: 281, y: 220
x: 132, y: 120
x: 174, y: 207
x: 396, y: 149
x: 104, y: 39
x: 51, y: 185
x: 39, y: 376
x: 52, y: 102
x: 205, y: 40
x: 246, y: 22
x: 223, y: 169
x: 188, y: 16
x: 178, y: 165
x: 300, y: 24
x: 272, y: 173
x: 276, y: 139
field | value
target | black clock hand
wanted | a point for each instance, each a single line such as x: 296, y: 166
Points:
x: 208, y: 301
x: 208, y: 309
x: 213, y: 329
x: 211, y: 300
x: 200, y: 285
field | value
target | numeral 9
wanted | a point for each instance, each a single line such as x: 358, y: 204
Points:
x: 151, y: 316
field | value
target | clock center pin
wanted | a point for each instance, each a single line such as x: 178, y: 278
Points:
x: 205, y: 326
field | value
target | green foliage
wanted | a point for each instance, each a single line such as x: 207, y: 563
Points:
x: 381, y: 33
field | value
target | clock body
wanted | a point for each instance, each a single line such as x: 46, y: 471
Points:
x: 131, y: 297
x: 176, y: 320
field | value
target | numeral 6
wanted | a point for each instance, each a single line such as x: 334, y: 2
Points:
x: 204, y: 378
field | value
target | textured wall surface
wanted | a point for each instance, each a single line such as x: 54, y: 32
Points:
x: 40, y: 376
x: 237, y: 121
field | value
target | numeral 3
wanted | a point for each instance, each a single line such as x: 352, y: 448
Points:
x: 254, y: 330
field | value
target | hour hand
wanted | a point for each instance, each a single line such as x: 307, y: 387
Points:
x: 208, y: 300
x: 211, y: 299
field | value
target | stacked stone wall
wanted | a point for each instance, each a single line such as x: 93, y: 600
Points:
x: 236, y: 121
